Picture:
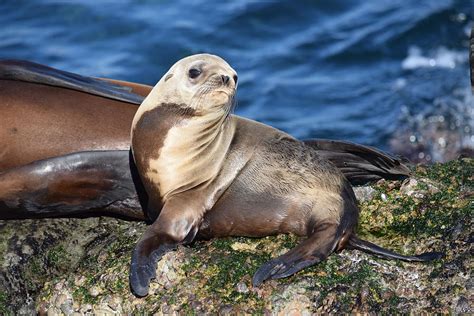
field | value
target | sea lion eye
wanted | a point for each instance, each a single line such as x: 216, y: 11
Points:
x: 194, y: 73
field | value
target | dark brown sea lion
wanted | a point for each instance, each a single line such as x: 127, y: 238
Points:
x: 43, y: 120
x: 56, y: 124
x: 89, y: 183
x: 211, y: 174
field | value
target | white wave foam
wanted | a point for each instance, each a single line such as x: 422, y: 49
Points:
x: 442, y: 58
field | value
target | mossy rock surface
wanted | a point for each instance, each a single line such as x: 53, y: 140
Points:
x: 66, y: 266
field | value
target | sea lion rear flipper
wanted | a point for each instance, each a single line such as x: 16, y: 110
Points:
x: 176, y: 224
x: 366, y: 246
x: 75, y: 184
x: 360, y: 164
x: 310, y: 251
x: 27, y: 71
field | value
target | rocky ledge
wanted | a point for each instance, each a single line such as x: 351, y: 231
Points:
x: 80, y: 266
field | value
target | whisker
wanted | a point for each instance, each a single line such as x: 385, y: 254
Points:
x: 231, y: 106
x: 211, y: 84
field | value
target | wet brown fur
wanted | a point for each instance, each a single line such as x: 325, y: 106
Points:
x: 285, y: 188
x: 146, y: 128
x: 39, y: 121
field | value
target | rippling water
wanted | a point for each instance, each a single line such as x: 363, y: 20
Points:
x: 393, y: 74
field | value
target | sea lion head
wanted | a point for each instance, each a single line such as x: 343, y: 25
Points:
x: 181, y: 132
x: 206, y: 83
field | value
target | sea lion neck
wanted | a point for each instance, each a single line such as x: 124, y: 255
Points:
x: 188, y: 150
x: 195, y: 150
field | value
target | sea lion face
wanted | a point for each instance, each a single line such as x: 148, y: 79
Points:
x: 206, y: 83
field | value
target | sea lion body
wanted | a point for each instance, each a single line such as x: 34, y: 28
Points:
x: 209, y: 174
x: 39, y: 121
x: 285, y: 187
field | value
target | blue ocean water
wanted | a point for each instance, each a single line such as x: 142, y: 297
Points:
x: 375, y: 72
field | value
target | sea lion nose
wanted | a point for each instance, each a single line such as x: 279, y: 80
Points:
x: 225, y: 79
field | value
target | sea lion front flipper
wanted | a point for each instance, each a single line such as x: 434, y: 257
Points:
x: 360, y: 164
x: 178, y: 223
x: 27, y: 71
x: 312, y: 250
x: 88, y: 183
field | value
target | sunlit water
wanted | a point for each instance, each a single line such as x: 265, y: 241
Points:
x: 393, y: 74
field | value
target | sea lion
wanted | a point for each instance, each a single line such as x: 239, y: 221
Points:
x: 210, y: 174
x: 61, y: 133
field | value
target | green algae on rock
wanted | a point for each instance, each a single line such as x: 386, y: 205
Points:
x: 81, y: 265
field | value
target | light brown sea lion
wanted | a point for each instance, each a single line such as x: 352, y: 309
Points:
x: 211, y: 174
x: 59, y: 130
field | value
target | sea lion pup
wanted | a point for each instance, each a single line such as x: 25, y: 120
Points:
x: 210, y: 175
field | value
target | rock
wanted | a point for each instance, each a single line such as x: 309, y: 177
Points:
x: 293, y: 301
x: 238, y: 246
x: 60, y: 299
x: 86, y: 308
x: 66, y: 307
x: 463, y: 306
x: 242, y: 287
x: 225, y: 310
x: 103, y: 311
x: 52, y: 265
x: 94, y: 291
x: 115, y: 303
x: 418, y: 188
x: 364, y: 193
x: 53, y: 311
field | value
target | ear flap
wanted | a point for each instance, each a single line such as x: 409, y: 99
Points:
x: 168, y: 76
x: 81, y: 184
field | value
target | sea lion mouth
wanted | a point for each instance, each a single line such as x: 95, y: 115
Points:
x: 215, y: 95
x: 229, y: 93
x: 229, y: 106
x: 222, y: 91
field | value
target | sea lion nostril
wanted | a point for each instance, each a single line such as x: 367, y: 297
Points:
x: 225, y: 79
x: 235, y: 79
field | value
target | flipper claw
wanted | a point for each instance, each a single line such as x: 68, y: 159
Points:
x: 267, y: 271
x: 143, y: 269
